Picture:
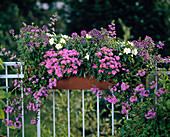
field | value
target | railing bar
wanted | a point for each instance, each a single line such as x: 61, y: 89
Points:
x: 156, y: 79
x: 6, y: 73
x: 39, y: 124
x: 53, y: 113
x: 68, y: 101
x: 22, y: 106
x: 83, y: 113
x: 98, y: 134
x: 112, y: 119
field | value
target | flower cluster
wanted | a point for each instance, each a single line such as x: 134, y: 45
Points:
x: 150, y: 114
x: 15, y: 110
x: 63, y: 62
x: 106, y: 62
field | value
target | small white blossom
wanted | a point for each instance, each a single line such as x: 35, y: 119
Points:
x: 88, y: 36
x: 87, y: 56
x: 127, y: 50
x: 49, y: 34
x: 134, y: 52
x: 131, y: 43
x: 58, y: 46
x: 51, y: 41
x: 62, y: 41
x: 64, y: 36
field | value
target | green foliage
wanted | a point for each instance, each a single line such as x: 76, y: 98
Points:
x: 139, y: 126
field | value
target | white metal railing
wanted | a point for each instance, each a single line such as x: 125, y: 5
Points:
x: 8, y: 76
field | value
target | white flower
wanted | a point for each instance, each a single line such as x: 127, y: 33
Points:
x: 131, y: 43
x: 58, y: 46
x: 50, y: 35
x: 62, y: 41
x: 51, y: 41
x: 87, y: 56
x: 127, y: 50
x: 88, y: 36
x: 134, y: 52
x: 64, y: 36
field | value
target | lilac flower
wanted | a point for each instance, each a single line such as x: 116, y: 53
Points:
x: 150, y: 114
x: 125, y: 108
x: 11, y: 31
x: 110, y: 99
x: 83, y: 33
x: 33, y: 122
x: 74, y: 35
x: 124, y: 86
x: 17, y: 124
x: 133, y: 98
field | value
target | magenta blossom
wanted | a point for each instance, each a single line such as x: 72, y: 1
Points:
x: 150, y: 114
x: 124, y: 86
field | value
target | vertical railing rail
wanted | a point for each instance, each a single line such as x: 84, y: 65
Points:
x: 68, y: 101
x: 53, y: 113
x: 6, y: 73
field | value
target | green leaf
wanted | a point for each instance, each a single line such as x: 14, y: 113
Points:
x: 11, y: 127
x: 2, y: 94
x: 7, y: 94
x: 1, y: 64
x: 3, y: 87
x: 2, y: 116
x: 2, y: 103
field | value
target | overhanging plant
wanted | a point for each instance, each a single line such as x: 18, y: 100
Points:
x: 50, y: 57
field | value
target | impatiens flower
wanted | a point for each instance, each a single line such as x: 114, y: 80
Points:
x: 51, y: 41
x: 58, y: 46
x: 94, y: 66
x: 150, y: 114
x: 127, y: 50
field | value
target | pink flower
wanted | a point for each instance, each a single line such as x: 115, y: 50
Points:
x: 94, y: 66
x: 124, y: 86
x: 150, y: 114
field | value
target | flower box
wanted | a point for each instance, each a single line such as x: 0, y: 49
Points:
x: 74, y: 82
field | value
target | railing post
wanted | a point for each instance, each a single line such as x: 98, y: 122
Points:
x: 22, y: 105
x: 83, y: 112
x: 38, y: 125
x: 112, y: 119
x: 53, y: 113
x: 98, y: 133
x: 68, y: 97
x: 6, y: 73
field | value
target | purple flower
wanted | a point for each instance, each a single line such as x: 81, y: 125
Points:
x: 33, y: 122
x: 11, y: 31
x: 83, y: 33
x: 74, y: 35
x: 17, y: 124
x: 124, y: 86
x: 150, y: 114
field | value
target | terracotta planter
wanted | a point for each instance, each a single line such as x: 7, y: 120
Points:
x: 74, y: 82
x: 2, y: 136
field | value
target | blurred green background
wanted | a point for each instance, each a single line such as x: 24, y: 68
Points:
x: 133, y: 18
